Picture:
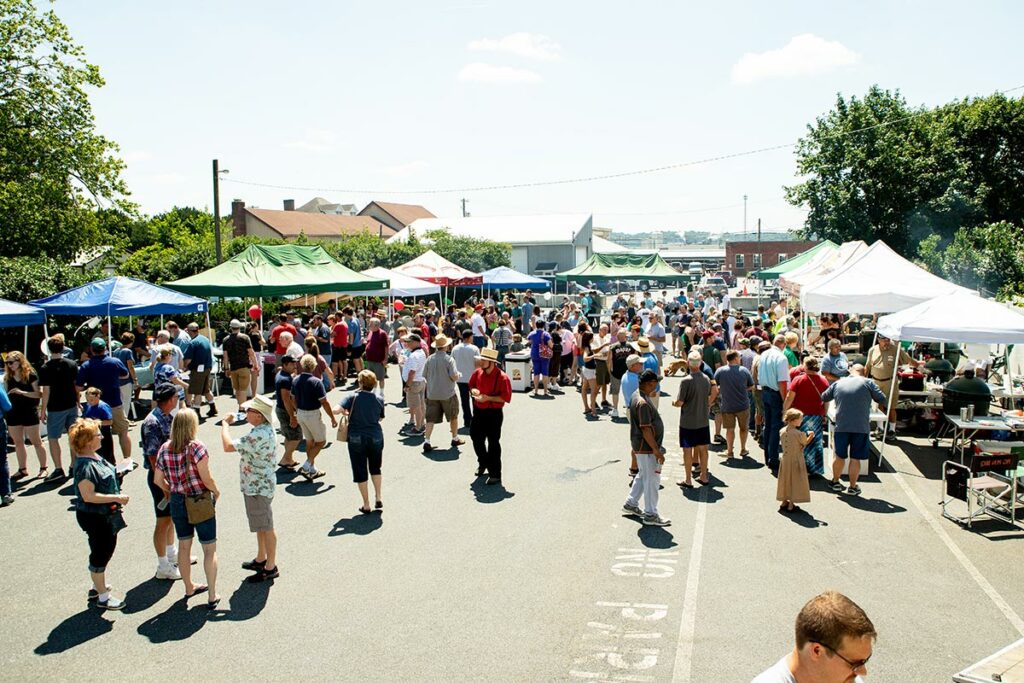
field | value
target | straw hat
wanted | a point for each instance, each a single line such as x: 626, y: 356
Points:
x: 487, y: 353
x: 643, y: 345
x: 262, y: 406
x: 441, y: 342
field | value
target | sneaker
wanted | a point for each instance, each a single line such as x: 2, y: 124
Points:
x: 606, y: 405
x: 110, y: 603
x: 655, y: 520
x: 57, y: 475
x: 491, y: 481
x: 254, y: 565
x: 632, y: 510
x: 212, y: 411
x: 418, y: 430
x: 480, y: 471
x: 457, y: 442
x: 837, y: 486
x: 719, y: 438
x: 427, y: 447
x: 853, y: 490
x: 262, y: 575
x: 168, y: 573
x: 93, y: 595
x: 615, y: 413
x: 7, y: 500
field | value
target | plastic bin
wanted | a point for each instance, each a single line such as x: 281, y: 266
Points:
x: 519, y: 370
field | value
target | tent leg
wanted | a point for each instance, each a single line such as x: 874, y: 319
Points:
x: 889, y: 406
x: 261, y: 315
x: 161, y: 321
x: 110, y: 332
x: 25, y: 352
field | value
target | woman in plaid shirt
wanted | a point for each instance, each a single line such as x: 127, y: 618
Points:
x: 183, y: 469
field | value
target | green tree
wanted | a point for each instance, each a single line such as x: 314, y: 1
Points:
x: 472, y: 254
x: 55, y: 169
x: 987, y: 257
x: 25, y: 279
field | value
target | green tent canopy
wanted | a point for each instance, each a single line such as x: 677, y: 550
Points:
x: 278, y: 270
x: 622, y: 266
x: 795, y: 262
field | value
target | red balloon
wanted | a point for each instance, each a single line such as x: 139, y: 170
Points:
x: 255, y: 312
x: 399, y: 305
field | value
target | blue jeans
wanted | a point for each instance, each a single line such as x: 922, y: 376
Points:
x: 207, y: 531
x: 772, y: 424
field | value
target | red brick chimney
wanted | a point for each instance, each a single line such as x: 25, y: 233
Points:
x: 237, y: 218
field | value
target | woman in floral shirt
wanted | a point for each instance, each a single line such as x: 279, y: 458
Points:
x: 256, y: 475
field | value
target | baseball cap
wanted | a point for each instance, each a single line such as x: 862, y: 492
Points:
x: 632, y: 359
x: 648, y: 375
x: 99, y: 344
x: 236, y: 324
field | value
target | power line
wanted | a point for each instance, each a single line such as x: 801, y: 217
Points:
x: 587, y: 179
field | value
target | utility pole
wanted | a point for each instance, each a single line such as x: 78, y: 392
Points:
x: 464, y: 214
x: 216, y: 210
x: 760, y: 263
x: 744, y: 216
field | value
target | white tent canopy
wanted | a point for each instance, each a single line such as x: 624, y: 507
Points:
x: 401, y: 284
x: 955, y: 318
x: 877, y: 281
x: 823, y: 263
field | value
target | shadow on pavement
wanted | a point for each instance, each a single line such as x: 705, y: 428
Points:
x: 146, y: 594
x: 178, y: 622
x: 710, y: 492
x: 76, y: 630
x: 926, y: 459
x: 304, y: 487
x: 744, y: 463
x: 246, y: 602
x: 804, y: 519
x: 493, y: 493
x: 43, y: 486
x: 656, y: 537
x: 360, y: 525
x: 443, y: 454
x: 286, y: 476
x: 871, y: 504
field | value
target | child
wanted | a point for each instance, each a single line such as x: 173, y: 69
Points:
x: 517, y: 343
x: 793, y: 486
x: 101, y: 411
x: 554, y: 367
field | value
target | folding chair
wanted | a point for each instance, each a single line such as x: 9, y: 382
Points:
x: 987, y: 483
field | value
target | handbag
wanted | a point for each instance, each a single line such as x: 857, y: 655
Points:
x: 545, y: 350
x: 343, y: 428
x: 116, y: 519
x: 199, y: 508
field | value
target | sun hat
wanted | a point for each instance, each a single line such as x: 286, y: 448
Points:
x: 441, y: 342
x: 632, y: 359
x: 643, y: 345
x: 490, y: 354
x: 261, y: 405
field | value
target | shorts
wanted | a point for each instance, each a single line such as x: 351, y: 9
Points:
x: 555, y: 366
x: 120, y: 422
x: 313, y: 428
x: 259, y: 513
x: 378, y: 370
x: 729, y: 420
x: 614, y: 384
x: 59, y: 421
x: 240, y: 379
x: 184, y: 529
x: 22, y: 417
x: 691, y: 438
x: 589, y: 373
x: 157, y: 493
x: 851, y: 444
x: 356, y: 351
x: 603, y: 376
x: 287, y: 431
x: 339, y: 354
x: 366, y: 452
x: 540, y: 366
x: 715, y: 409
x: 198, y: 382
x: 127, y: 394
x: 448, y: 408
x: 415, y: 396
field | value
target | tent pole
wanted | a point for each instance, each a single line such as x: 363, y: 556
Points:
x: 261, y: 316
x: 25, y: 352
x: 889, y: 406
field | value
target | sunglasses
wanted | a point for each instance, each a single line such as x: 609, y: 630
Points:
x: 13, y: 362
x: 855, y: 666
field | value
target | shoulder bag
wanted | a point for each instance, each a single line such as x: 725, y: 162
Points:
x: 199, y: 508
x: 342, y: 435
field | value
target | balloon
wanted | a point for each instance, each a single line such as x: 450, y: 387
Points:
x: 255, y: 312
x: 399, y: 305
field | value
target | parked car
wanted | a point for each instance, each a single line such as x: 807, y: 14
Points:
x: 727, y: 275
x: 714, y: 283
x: 695, y: 269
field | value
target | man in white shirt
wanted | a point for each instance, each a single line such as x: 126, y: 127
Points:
x: 466, y: 356
x: 415, y: 383
x: 479, y: 327
x: 726, y: 301
x: 834, y: 641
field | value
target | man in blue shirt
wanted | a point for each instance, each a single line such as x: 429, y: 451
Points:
x: 199, y: 363
x: 773, y: 377
x: 527, y: 314
x: 355, y: 340
x: 105, y: 373
x: 834, y: 365
x: 156, y: 430
x: 853, y: 396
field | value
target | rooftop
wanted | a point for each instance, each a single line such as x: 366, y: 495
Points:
x: 403, y: 213
x: 294, y: 223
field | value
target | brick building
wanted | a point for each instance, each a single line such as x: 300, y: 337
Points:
x: 748, y: 256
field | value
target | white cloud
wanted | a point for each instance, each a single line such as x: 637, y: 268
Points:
x: 478, y: 72
x: 407, y: 169
x: 804, y: 55
x: 529, y: 45
x: 314, y: 140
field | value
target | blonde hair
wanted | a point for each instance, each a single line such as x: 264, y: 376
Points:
x: 183, y: 430
x: 367, y: 380
x: 308, y: 363
x: 164, y: 351
x: 24, y: 367
x: 793, y: 414
x: 82, y: 432
x: 791, y: 338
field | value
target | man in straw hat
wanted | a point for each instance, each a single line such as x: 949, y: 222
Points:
x: 645, y: 349
x: 491, y: 390
x: 257, y: 479
x: 442, y: 393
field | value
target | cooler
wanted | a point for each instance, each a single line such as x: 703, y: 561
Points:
x: 519, y: 370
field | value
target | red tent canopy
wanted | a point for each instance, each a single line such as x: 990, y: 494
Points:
x: 431, y: 267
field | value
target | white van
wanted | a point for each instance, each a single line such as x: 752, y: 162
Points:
x: 696, y: 269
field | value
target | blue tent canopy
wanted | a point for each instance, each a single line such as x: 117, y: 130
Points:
x: 120, y: 296
x: 504, y: 277
x: 13, y: 314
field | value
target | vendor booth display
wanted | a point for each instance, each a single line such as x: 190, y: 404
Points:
x: 504, y: 277
x: 13, y: 314
x: 120, y: 296
x: 622, y: 267
x: 819, y: 265
x: 278, y: 270
x: 432, y: 267
x: 798, y: 261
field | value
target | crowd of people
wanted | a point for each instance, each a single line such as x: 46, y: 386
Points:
x: 747, y: 374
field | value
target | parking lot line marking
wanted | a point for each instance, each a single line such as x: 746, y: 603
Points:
x: 972, y: 570
x: 684, y: 648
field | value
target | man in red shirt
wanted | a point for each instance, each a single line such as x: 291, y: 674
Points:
x: 491, y: 390
x: 275, y: 334
x: 339, y: 348
x: 376, y: 350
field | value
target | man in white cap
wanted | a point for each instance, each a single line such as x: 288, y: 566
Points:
x: 240, y: 361
x: 442, y: 394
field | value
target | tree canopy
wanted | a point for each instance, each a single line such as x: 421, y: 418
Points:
x: 55, y: 169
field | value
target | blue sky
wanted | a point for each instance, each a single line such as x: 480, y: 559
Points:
x: 402, y: 96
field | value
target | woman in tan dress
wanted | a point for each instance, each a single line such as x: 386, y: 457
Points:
x: 793, y: 485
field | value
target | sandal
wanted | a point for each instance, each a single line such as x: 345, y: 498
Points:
x: 378, y: 505
x: 684, y: 484
x: 42, y: 472
x: 196, y: 590
x: 20, y: 474
x: 288, y: 465
x: 365, y: 511
x: 212, y: 604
